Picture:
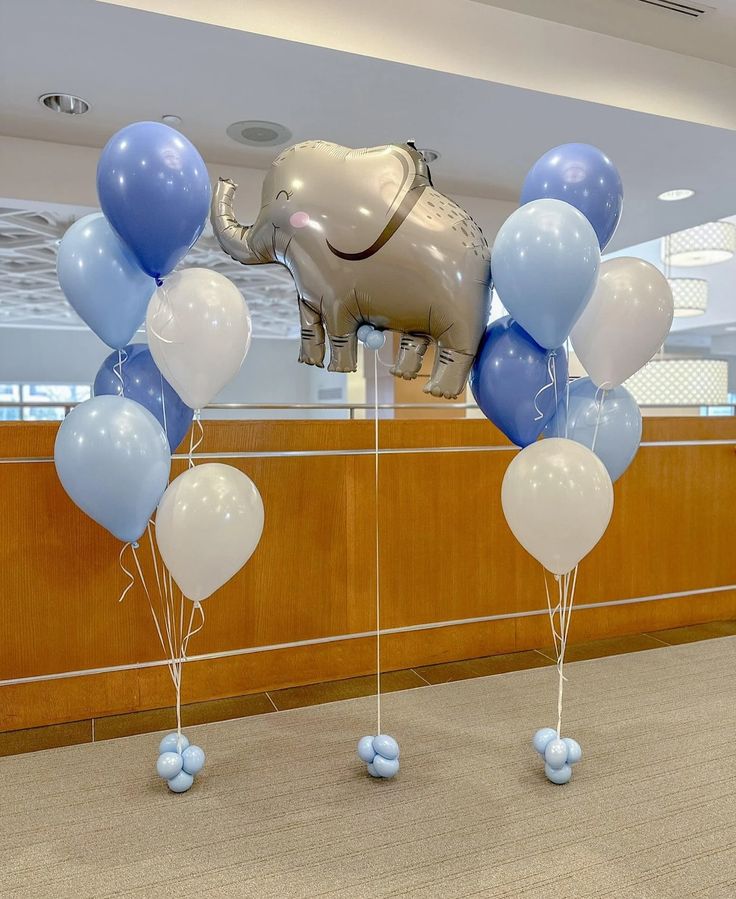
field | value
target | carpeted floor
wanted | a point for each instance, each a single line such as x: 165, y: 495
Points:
x: 284, y: 809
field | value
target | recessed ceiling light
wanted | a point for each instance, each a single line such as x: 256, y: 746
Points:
x: 259, y: 134
x: 681, y: 193
x: 172, y: 120
x: 66, y: 103
x: 428, y: 155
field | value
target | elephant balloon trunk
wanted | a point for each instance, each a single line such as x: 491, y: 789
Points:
x: 231, y: 235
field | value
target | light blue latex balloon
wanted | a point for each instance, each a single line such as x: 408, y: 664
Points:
x: 113, y: 459
x: 180, y: 783
x: 170, y: 743
x: 542, y: 737
x: 386, y: 746
x: 555, y: 753
x: 102, y: 281
x: 558, y: 775
x: 574, y: 751
x: 366, y: 752
x: 619, y: 427
x: 372, y: 771
x: 363, y: 332
x: 385, y: 767
x: 375, y: 340
x: 193, y: 759
x: 169, y: 764
x: 545, y: 263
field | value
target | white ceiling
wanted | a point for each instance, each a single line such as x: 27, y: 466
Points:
x: 711, y: 36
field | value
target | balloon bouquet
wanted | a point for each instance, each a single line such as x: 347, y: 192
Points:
x: 113, y: 452
x: 557, y: 493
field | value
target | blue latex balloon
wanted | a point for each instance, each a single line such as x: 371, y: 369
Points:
x: 155, y: 191
x: 372, y: 771
x: 375, y: 340
x: 113, y: 459
x: 169, y: 764
x: 366, y: 752
x: 555, y: 753
x: 574, y: 751
x: 385, y: 767
x: 619, y: 426
x: 173, y: 743
x: 584, y: 177
x: 180, y: 783
x: 545, y: 263
x: 542, y: 737
x: 509, y: 371
x: 193, y: 759
x: 144, y: 383
x: 386, y: 746
x: 558, y: 775
x: 102, y: 281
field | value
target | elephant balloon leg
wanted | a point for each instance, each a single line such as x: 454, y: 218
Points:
x: 343, y: 351
x: 312, y: 349
x: 449, y: 372
x: 411, y: 355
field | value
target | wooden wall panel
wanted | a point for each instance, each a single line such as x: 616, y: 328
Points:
x: 447, y: 555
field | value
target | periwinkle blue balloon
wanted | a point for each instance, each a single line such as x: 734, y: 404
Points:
x: 509, y: 371
x: 375, y: 340
x: 363, y: 332
x: 102, y: 280
x: 574, y: 750
x: 619, y: 426
x: 181, y: 783
x: 366, y: 752
x: 545, y: 267
x: 113, y: 459
x: 372, y: 770
x: 555, y: 753
x: 144, y: 383
x: 169, y: 764
x: 173, y: 743
x: 542, y: 737
x: 154, y: 189
x: 558, y: 775
x: 193, y: 759
x: 584, y: 177
x: 386, y: 746
x: 385, y: 767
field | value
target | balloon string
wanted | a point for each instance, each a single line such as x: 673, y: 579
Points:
x: 552, y: 375
x: 118, y: 370
x: 378, y: 547
x: 192, y: 445
x: 169, y: 650
x: 600, y: 398
x: 566, y: 584
x: 567, y: 387
x: 163, y: 404
x: 127, y: 572
x: 166, y: 302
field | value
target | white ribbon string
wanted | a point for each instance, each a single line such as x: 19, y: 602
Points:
x: 378, y: 548
x: 118, y: 370
x: 566, y: 584
x: 194, y: 445
x: 567, y: 387
x: 163, y: 405
x: 552, y: 375
x: 127, y: 572
x: 600, y: 398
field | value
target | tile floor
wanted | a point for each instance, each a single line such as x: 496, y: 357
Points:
x: 13, y: 742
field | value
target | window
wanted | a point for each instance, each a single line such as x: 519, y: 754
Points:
x: 40, y: 402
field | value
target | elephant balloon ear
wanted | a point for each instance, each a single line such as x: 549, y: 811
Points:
x: 377, y: 188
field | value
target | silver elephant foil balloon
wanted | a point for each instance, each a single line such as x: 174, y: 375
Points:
x: 368, y: 240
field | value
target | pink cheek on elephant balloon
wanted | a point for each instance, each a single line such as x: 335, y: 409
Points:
x: 299, y: 219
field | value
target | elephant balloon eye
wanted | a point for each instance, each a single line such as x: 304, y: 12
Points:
x: 285, y: 193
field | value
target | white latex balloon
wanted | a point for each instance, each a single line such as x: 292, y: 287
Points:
x: 208, y: 525
x: 625, y: 321
x: 557, y: 498
x: 199, y: 331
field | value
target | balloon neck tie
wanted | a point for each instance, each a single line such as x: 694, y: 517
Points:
x: 159, y: 282
x: 126, y: 571
x: 194, y: 445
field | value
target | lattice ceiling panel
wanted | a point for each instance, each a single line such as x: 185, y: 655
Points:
x: 30, y: 293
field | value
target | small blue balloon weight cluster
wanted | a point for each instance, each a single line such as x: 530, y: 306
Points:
x: 381, y: 755
x: 178, y: 762
x: 370, y: 337
x: 559, y: 754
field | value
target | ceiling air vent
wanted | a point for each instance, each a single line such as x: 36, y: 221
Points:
x: 692, y: 10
